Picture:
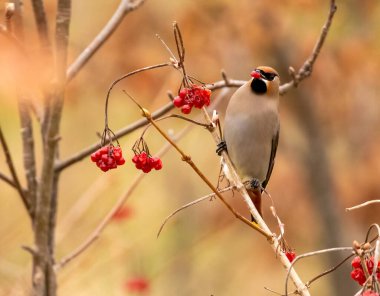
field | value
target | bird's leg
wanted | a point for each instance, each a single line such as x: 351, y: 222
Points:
x: 220, y: 147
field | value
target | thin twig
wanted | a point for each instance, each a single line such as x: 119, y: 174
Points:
x: 13, y: 172
x: 307, y: 67
x: 157, y: 66
x: 299, y: 257
x: 8, y: 180
x: 194, y: 202
x: 362, y: 205
x: 120, y: 202
x: 125, y: 7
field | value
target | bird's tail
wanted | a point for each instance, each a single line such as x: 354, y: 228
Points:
x: 255, y: 196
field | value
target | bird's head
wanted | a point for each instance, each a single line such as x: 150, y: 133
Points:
x: 265, y: 80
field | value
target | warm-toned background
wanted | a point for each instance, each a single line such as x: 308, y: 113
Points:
x: 328, y: 156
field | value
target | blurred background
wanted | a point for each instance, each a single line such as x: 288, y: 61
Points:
x: 328, y: 156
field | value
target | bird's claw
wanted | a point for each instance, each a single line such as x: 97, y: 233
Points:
x: 255, y: 184
x: 220, y: 147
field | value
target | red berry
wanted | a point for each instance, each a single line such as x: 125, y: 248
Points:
x: 158, y: 164
x: 183, y: 93
x: 178, y: 101
x: 358, y: 275
x: 94, y: 157
x: 135, y: 159
x: 103, y: 150
x: 137, y: 285
x: 186, y: 109
x: 120, y: 161
x: 356, y: 263
x: 290, y: 255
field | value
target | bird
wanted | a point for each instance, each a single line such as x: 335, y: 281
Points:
x: 251, y: 130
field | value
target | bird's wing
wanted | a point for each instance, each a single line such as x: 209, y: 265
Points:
x: 272, y: 157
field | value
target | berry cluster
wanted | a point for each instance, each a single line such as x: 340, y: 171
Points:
x: 195, y: 96
x: 290, y: 255
x: 143, y: 161
x: 358, y: 275
x: 370, y: 293
x: 108, y: 157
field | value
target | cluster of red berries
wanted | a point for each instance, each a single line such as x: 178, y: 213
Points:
x: 146, y: 163
x: 108, y: 157
x: 195, y: 96
x: 290, y: 255
x: 370, y: 293
x: 358, y: 275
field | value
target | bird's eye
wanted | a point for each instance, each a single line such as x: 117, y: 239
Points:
x: 268, y: 76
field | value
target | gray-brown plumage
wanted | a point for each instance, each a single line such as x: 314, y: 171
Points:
x: 251, y: 129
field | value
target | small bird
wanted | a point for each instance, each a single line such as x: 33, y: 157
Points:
x: 251, y: 130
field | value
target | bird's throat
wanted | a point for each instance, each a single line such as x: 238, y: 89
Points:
x: 258, y: 86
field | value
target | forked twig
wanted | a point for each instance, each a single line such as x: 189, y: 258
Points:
x: 13, y: 172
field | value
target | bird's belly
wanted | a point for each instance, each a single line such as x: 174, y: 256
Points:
x: 249, y: 147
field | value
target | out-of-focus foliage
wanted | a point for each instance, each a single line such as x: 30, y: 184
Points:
x: 203, y: 250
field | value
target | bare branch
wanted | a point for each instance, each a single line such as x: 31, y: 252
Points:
x: 307, y: 67
x: 194, y: 202
x: 28, y: 151
x: 123, y: 9
x: 41, y: 21
x: 367, y: 203
x: 120, y: 202
x: 12, y: 170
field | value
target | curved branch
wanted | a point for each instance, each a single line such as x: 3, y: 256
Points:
x: 123, y: 9
x: 307, y: 67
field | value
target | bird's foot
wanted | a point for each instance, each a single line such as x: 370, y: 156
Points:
x: 255, y: 184
x: 220, y: 147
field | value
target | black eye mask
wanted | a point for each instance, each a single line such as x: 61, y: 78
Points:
x: 267, y: 76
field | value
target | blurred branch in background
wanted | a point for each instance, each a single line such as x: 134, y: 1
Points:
x: 123, y: 9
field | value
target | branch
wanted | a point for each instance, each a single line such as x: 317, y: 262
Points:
x: 28, y: 151
x: 307, y: 67
x: 362, y: 205
x: 194, y: 202
x: 123, y: 9
x: 120, y: 133
x: 15, y: 181
x: 41, y: 22
x: 120, y: 202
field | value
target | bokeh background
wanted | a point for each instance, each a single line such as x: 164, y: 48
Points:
x: 328, y: 157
